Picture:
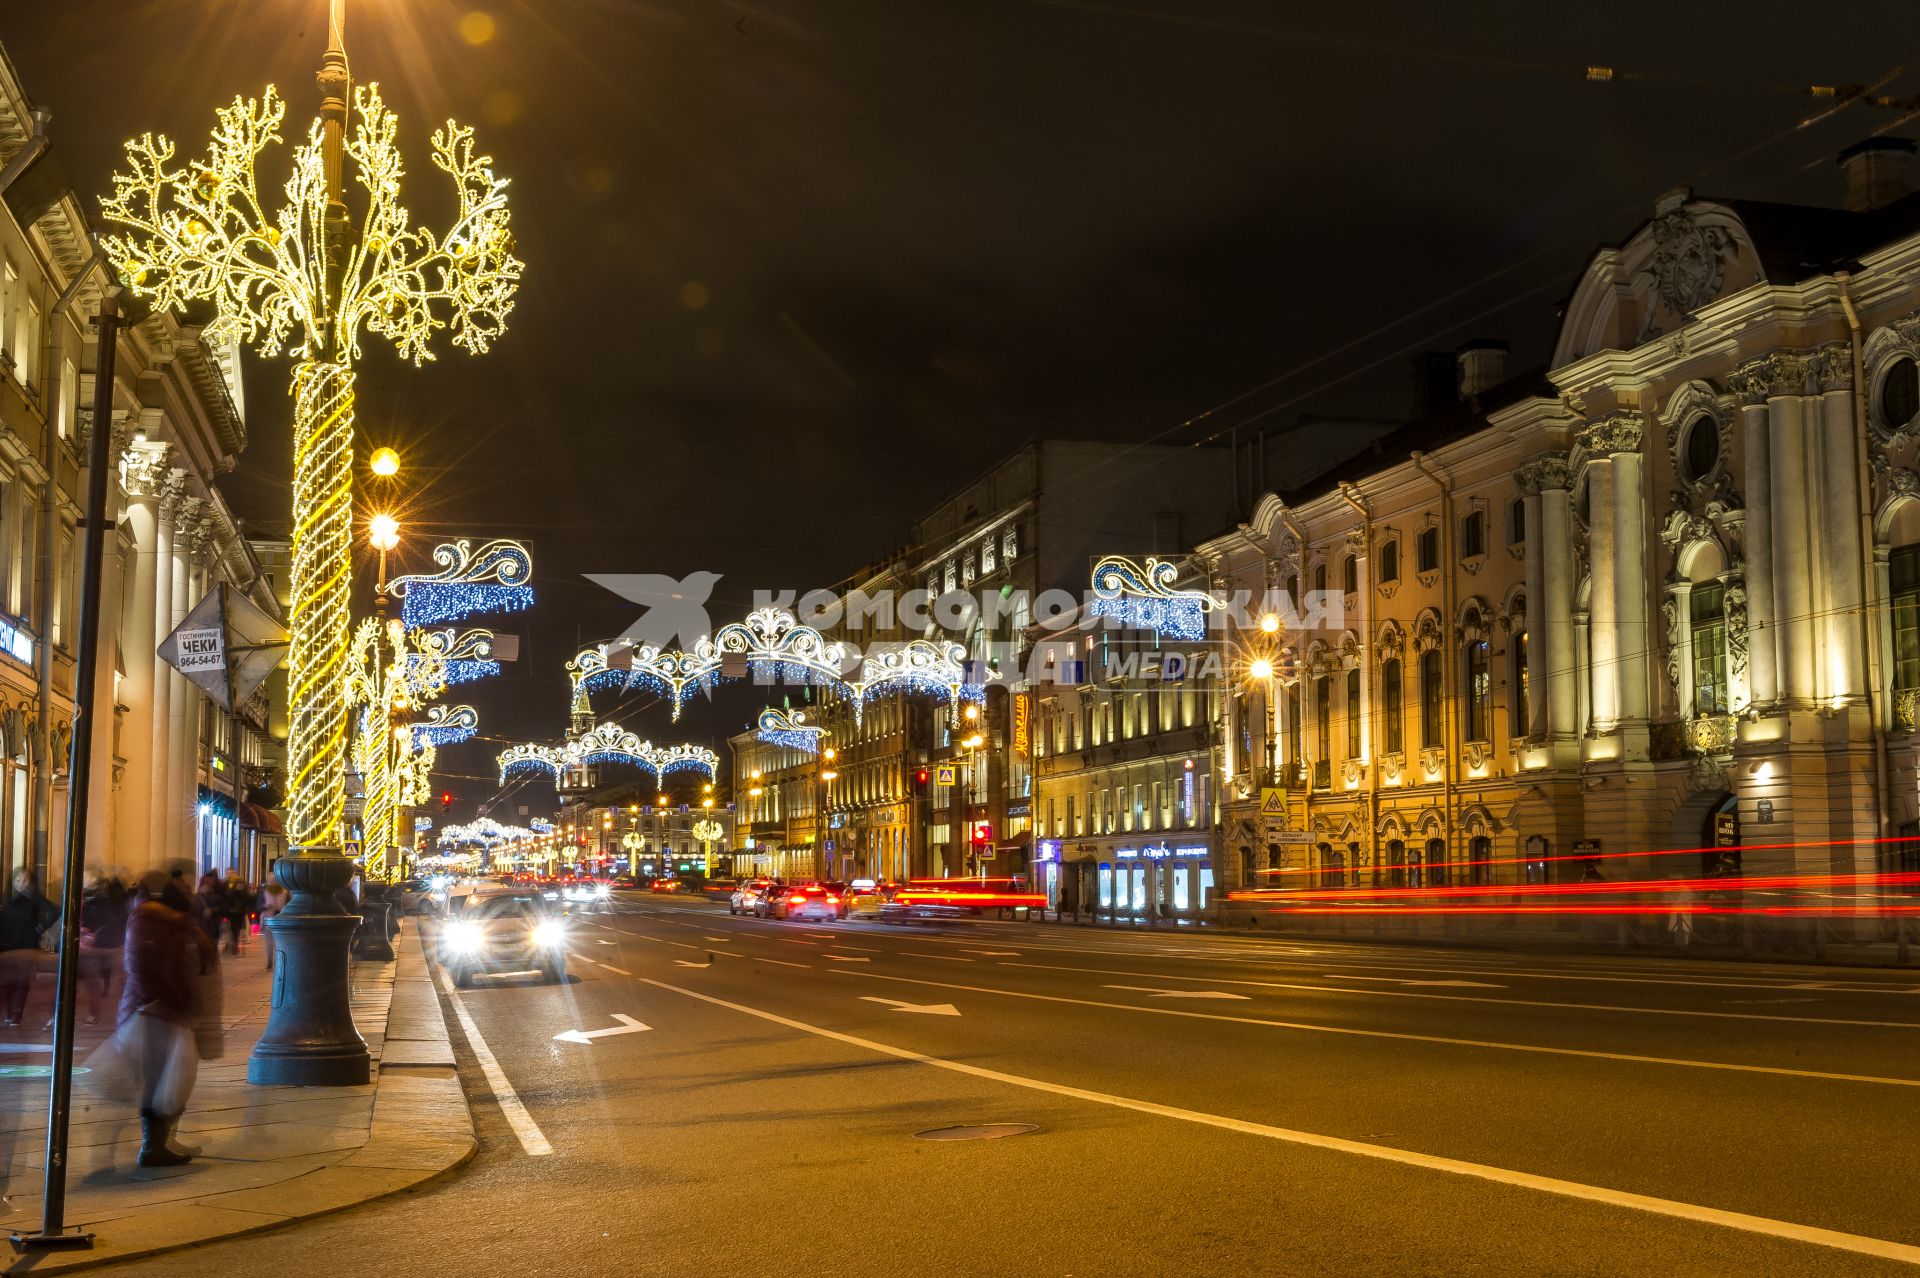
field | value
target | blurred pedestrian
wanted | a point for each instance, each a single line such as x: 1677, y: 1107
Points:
x: 23, y: 921
x: 236, y: 904
x: 210, y: 904
x: 103, y: 937
x: 273, y: 899
x: 168, y: 956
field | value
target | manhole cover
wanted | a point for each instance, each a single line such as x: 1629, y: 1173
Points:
x: 979, y: 1131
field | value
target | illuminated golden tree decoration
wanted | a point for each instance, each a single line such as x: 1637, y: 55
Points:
x: 303, y: 278
x: 392, y: 673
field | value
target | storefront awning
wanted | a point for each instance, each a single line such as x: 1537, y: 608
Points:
x: 255, y: 817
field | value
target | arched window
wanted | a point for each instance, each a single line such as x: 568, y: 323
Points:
x: 1390, y: 560
x: 1436, y: 863
x: 1392, y: 705
x: 1903, y: 575
x: 1426, y: 548
x: 1320, y: 577
x: 1396, y: 863
x: 1900, y: 394
x: 1350, y: 574
x: 1432, y: 700
x: 1333, y: 867
x: 1480, y: 852
x: 1479, y: 691
x: 1322, y: 725
x: 1701, y: 448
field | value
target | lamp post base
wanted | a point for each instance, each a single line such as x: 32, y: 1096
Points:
x: 310, y: 1039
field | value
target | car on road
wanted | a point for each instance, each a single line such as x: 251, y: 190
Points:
x: 503, y: 930
x: 825, y: 901
x: 664, y: 885
x: 957, y: 899
x: 864, y: 899
x: 748, y: 893
x: 412, y: 896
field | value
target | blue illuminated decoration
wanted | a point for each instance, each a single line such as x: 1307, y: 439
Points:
x: 464, y: 656
x: 447, y: 725
x: 495, y: 578
x: 607, y: 743
x: 1137, y: 597
x: 789, y: 730
x: 772, y: 646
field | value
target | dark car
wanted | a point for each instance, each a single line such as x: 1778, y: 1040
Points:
x: 504, y: 931
x: 826, y: 901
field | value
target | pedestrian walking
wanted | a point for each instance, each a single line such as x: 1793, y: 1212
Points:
x: 168, y: 959
x: 236, y: 904
x: 23, y: 921
x: 273, y: 899
x: 103, y: 937
x: 210, y: 900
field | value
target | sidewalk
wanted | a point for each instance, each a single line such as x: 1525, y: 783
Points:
x: 268, y: 1155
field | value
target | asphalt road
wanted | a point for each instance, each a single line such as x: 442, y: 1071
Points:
x: 1204, y: 1105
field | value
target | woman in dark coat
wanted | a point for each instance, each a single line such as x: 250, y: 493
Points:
x: 25, y: 917
x: 103, y: 913
x: 167, y: 952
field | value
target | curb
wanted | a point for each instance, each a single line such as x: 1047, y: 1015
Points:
x: 422, y: 1130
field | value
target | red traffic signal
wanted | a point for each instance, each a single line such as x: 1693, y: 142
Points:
x: 446, y: 800
x: 921, y: 777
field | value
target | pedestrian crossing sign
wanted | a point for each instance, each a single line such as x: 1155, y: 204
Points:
x: 1273, y: 801
x: 943, y: 774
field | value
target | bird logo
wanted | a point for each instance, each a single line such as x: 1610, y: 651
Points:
x: 676, y: 608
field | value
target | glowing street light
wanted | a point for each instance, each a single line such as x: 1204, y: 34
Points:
x: 384, y: 462
x: 1262, y: 668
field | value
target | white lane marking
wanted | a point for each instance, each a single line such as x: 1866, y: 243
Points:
x: 825, y: 936
x: 1473, y: 998
x: 1309, y: 1027
x: 944, y: 958
x: 1164, y: 993
x: 617, y: 970
x: 686, y: 963
x: 754, y: 958
x: 864, y: 949
x: 531, y: 1138
x: 844, y: 958
x: 1396, y: 980
x: 997, y: 953
x: 627, y: 1025
x: 601, y: 940
x: 682, y: 944
x: 926, y: 1009
x: 716, y: 938
x: 1789, y: 1230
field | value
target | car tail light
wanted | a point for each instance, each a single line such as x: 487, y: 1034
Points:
x: 832, y: 899
x: 796, y: 900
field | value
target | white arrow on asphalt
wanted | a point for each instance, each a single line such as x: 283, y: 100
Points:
x: 925, y: 1009
x: 1159, y: 993
x: 1394, y: 980
x: 627, y: 1026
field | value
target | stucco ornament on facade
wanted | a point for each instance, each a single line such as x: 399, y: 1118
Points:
x: 1688, y: 266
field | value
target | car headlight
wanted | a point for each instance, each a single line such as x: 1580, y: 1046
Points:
x: 602, y: 891
x: 550, y: 933
x: 463, y: 936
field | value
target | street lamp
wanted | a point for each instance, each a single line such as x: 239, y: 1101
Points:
x: 384, y: 462
x: 302, y: 278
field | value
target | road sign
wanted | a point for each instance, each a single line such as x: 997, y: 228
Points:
x: 1273, y: 801
x: 943, y: 774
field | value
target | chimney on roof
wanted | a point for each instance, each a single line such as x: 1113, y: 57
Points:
x: 1879, y: 171
x: 1483, y: 362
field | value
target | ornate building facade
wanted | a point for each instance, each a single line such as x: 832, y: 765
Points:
x: 1663, y: 597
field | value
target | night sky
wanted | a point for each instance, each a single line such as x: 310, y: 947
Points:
x: 797, y: 270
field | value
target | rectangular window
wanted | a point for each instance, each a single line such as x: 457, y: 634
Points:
x: 1903, y: 568
x: 986, y: 556
x: 1154, y: 812
x: 1139, y: 807
x: 1350, y: 574
x: 1479, y: 692
x: 1389, y: 560
x: 1427, y: 550
x: 1521, y: 688
x: 1353, y: 713
x: 1322, y: 718
x: 69, y: 407
x: 1392, y: 702
x: 1706, y: 608
x: 1009, y: 546
x: 1432, y: 700
x: 966, y: 568
x: 1473, y: 535
x: 1517, y: 523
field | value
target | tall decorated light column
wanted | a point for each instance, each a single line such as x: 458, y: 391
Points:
x: 306, y: 278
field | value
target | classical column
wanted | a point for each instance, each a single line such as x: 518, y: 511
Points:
x: 1603, y: 665
x: 183, y: 773
x: 1547, y: 482
x: 1749, y: 384
x: 1838, y: 520
x: 172, y: 488
x: 1794, y: 563
x: 144, y: 468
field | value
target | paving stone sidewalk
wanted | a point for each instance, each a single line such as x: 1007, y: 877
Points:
x: 268, y: 1155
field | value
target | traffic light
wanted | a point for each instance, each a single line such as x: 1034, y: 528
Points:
x: 922, y: 777
x: 446, y: 800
